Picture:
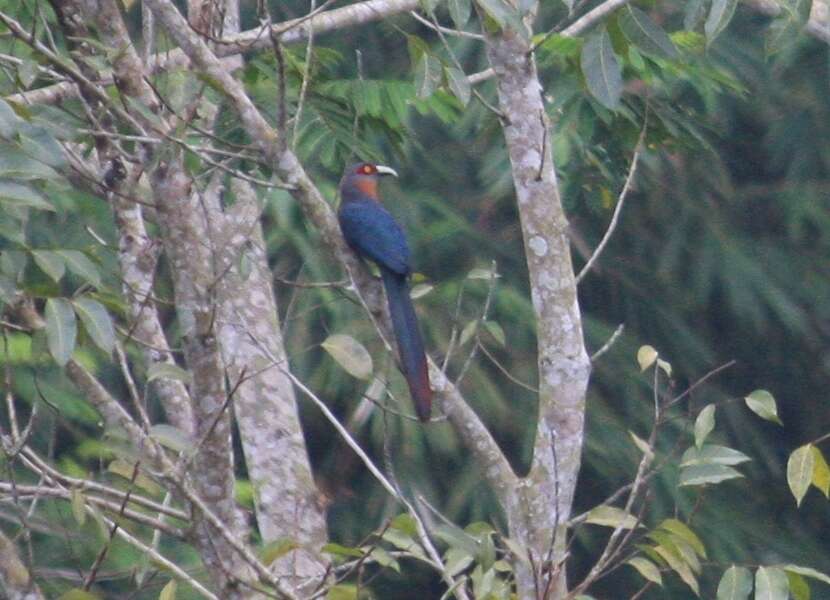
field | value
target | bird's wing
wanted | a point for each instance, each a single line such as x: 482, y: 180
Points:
x: 373, y: 232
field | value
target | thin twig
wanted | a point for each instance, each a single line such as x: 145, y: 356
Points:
x: 611, y: 341
x: 620, y: 200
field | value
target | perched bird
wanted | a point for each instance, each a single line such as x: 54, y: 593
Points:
x: 372, y: 232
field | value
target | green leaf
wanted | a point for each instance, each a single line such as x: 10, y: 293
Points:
x: 647, y: 569
x: 642, y: 445
x: 349, y: 354
x: 611, y: 516
x: 736, y: 584
x: 171, y: 437
x: 712, y: 454
x: 646, y: 356
x: 821, y: 472
x: 602, y: 70
x: 97, y: 322
x: 38, y: 143
x: 427, y: 75
x: 168, y: 592
x: 277, y: 548
x: 456, y: 560
x: 9, y: 121
x: 704, y: 424
x: 125, y: 469
x: 459, y: 85
x: 496, y: 331
x: 468, y: 332
x: 420, y: 290
x: 27, y: 73
x: 342, y: 591
x: 693, y: 13
x: 799, y: 588
x: 61, y: 329
x: 719, y: 16
x: 341, y: 550
x: 79, y: 264
x: 22, y: 195
x: 771, y: 584
x: 78, y: 503
x: 50, y: 263
x: 384, y: 559
x: 168, y: 371
x: 678, y: 565
x: 429, y: 6
x: 706, y: 474
x: 460, y: 12
x: 647, y: 35
x: 800, y: 471
x: 479, y: 273
x: 762, y: 403
x: 682, y: 531
x: 806, y: 572
x: 497, y: 10
x: 78, y: 594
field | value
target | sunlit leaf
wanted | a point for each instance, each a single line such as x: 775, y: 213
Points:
x: 611, y: 516
x: 771, y: 584
x: 420, y: 290
x: 799, y: 588
x: 468, y: 332
x: 800, y: 472
x: 821, y: 472
x: 679, y: 566
x: 384, y: 559
x: 642, y: 445
x: 496, y: 331
x: 61, y: 329
x: 479, y: 273
x: 168, y: 592
x: 97, y: 322
x: 349, y: 354
x: 428, y: 73
x: 646, y: 356
x: 762, y: 403
x: 807, y: 572
x: 647, y: 569
x: 704, y: 424
x: 682, y: 531
x: 736, y: 584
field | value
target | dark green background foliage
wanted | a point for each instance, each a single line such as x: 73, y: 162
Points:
x: 722, y: 252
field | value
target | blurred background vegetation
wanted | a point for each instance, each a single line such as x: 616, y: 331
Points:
x: 722, y: 253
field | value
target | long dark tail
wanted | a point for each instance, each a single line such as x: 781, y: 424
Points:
x: 410, y: 344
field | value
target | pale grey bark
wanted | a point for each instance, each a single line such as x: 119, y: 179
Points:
x: 543, y: 499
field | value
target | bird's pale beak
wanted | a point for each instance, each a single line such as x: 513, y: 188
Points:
x: 382, y: 170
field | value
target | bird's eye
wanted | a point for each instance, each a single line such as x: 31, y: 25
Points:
x: 367, y: 169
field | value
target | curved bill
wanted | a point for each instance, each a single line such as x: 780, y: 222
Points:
x: 383, y: 170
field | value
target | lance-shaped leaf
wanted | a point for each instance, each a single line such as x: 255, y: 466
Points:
x: 807, y: 572
x: 50, y: 263
x: 459, y: 85
x: 61, y: 329
x: 719, y: 16
x: 712, y: 454
x: 427, y: 75
x: 647, y: 569
x: 601, y: 69
x: 611, y: 516
x: 97, y: 322
x: 707, y: 474
x: 771, y: 584
x: 704, y: 424
x: 349, y: 354
x: 736, y: 584
x: 79, y: 264
x: 23, y: 195
x: 821, y: 472
x: 800, y: 472
x: 682, y: 531
x: 168, y: 592
x: 459, y: 11
x: 647, y: 35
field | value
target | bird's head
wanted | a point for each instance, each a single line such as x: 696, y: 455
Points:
x: 361, y: 179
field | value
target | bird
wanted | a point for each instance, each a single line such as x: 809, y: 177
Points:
x: 374, y: 234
